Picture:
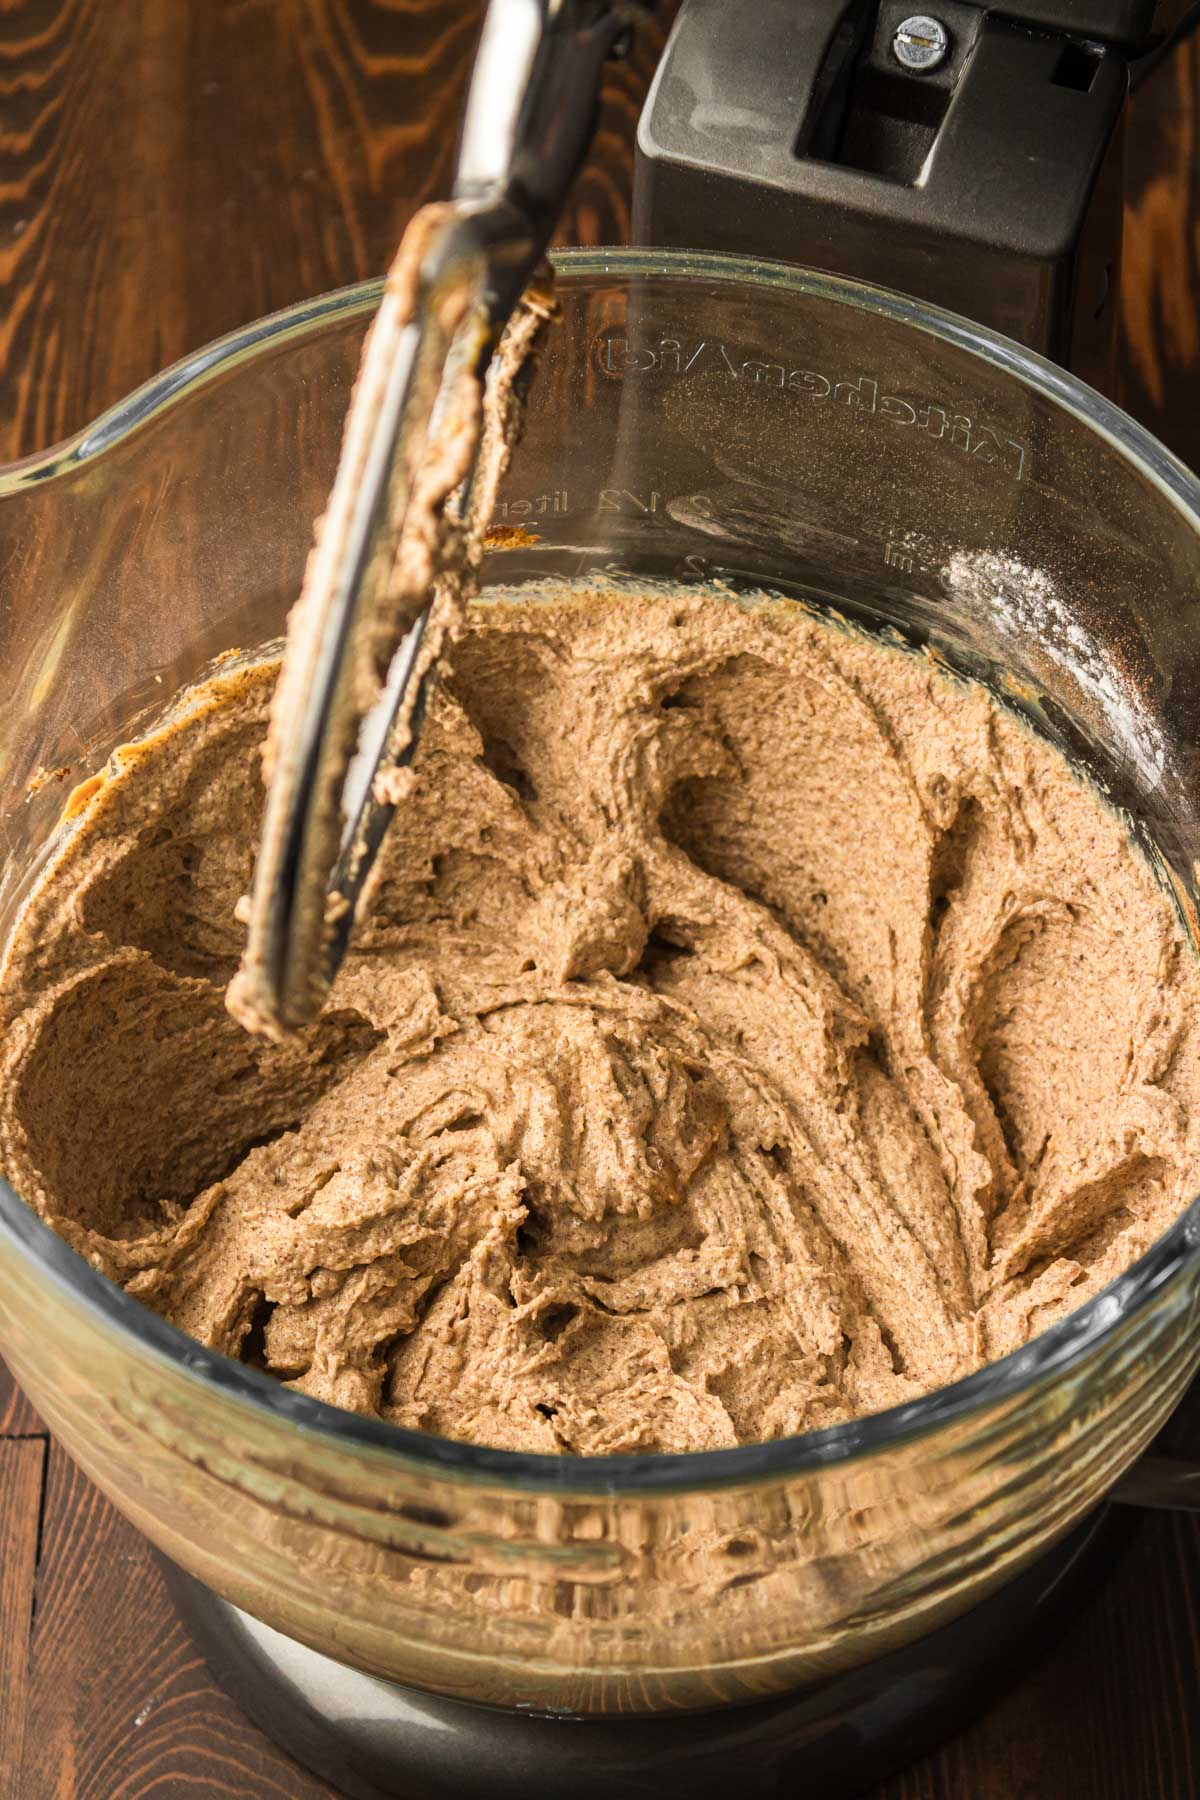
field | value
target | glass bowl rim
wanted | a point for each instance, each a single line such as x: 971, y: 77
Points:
x: 1048, y: 1357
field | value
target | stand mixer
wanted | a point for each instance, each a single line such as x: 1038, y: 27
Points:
x: 419, y: 1617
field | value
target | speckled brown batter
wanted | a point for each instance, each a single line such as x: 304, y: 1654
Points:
x: 753, y: 1029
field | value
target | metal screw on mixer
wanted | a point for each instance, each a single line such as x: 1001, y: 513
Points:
x: 921, y: 44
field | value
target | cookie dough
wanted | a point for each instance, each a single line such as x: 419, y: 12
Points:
x: 753, y: 1029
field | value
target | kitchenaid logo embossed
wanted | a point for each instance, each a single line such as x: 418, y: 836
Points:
x: 862, y: 393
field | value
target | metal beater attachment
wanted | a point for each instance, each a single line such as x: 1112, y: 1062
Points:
x: 421, y: 459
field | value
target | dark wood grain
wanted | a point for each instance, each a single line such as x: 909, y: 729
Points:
x: 17, y: 1417
x: 167, y: 172
x: 1160, y: 280
x: 21, y: 1473
x: 119, y: 1701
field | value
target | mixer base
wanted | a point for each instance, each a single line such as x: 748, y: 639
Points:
x: 376, y: 1741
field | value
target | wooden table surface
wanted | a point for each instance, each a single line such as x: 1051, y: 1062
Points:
x: 168, y: 170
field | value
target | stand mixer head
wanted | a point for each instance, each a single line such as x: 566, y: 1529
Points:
x: 968, y: 155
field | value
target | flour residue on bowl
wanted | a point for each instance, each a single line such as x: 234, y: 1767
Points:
x: 1035, y: 624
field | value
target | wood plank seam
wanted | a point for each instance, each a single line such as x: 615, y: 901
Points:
x: 39, y: 1540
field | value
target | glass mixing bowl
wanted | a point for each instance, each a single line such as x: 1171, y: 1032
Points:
x: 697, y: 420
